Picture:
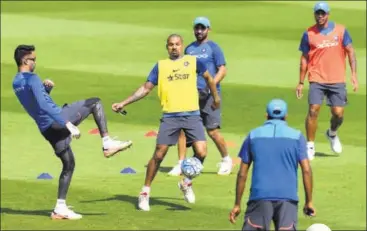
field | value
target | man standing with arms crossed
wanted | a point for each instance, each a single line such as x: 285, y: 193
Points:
x: 212, y: 55
x: 58, y: 125
x: 275, y: 150
x: 176, y: 78
x: 324, y: 47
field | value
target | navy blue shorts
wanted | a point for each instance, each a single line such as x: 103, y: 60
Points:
x: 211, y: 117
x: 59, y: 137
x: 336, y: 94
x: 260, y: 214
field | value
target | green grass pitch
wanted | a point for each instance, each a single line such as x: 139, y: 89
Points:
x: 106, y: 49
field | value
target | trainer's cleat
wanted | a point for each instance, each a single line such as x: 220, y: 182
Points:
x: 335, y: 144
x: 225, y: 167
x: 176, y: 170
x: 310, y: 151
x: 187, y: 191
x: 65, y: 213
x: 112, y: 147
x: 143, y: 203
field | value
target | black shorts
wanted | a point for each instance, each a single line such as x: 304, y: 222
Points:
x: 59, y: 137
x: 336, y: 94
x: 211, y: 117
x: 260, y: 214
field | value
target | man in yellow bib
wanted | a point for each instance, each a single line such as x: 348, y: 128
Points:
x: 176, y: 78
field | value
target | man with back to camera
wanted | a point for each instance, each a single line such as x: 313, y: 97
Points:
x: 324, y: 48
x: 58, y: 124
x: 275, y: 150
x: 212, y: 55
x: 176, y: 78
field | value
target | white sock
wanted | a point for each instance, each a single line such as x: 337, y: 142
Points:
x: 105, y: 139
x: 146, y: 189
x: 227, y: 158
x: 187, y: 180
x: 311, y: 144
x: 180, y: 162
x: 60, y: 203
x: 331, y: 133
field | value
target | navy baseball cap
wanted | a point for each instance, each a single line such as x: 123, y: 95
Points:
x: 322, y: 6
x: 277, y: 108
x: 203, y: 21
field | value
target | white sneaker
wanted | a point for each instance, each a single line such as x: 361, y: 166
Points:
x: 144, y: 201
x: 225, y: 167
x: 311, y: 151
x: 187, y: 191
x: 112, y: 146
x: 335, y: 144
x: 64, y: 212
x: 176, y: 170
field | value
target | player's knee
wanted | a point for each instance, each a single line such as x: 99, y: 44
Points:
x: 337, y: 112
x: 160, y: 152
x: 313, y: 113
x: 200, y: 149
x: 92, y: 101
x: 213, y: 133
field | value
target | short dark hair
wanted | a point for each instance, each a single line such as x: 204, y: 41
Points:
x: 174, y: 36
x: 21, y: 51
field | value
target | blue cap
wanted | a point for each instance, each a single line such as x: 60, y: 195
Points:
x: 203, y: 21
x: 322, y: 6
x: 277, y: 108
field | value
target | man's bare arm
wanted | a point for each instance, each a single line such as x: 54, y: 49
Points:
x: 352, y: 59
x: 140, y: 93
x: 211, y: 83
x: 222, y: 72
x: 303, y: 68
x: 307, y: 179
x: 241, y: 182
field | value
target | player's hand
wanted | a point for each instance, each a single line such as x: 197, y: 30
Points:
x: 74, y: 130
x: 309, y: 210
x: 48, y: 83
x: 299, y: 90
x: 216, y: 103
x: 116, y: 107
x: 355, y: 84
x: 234, y: 213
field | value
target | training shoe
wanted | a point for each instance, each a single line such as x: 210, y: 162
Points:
x: 176, y: 170
x: 144, y: 201
x: 311, y: 151
x: 112, y: 146
x: 225, y: 167
x: 187, y: 191
x: 335, y: 144
x: 65, y: 213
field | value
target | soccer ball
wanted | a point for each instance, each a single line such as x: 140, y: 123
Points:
x: 318, y: 227
x: 191, y: 167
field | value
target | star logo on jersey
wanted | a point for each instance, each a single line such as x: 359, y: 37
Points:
x: 203, y: 50
x: 175, y: 70
x: 186, y: 64
x: 170, y: 78
x: 336, y: 38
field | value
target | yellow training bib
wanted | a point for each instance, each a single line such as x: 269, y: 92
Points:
x: 177, y: 85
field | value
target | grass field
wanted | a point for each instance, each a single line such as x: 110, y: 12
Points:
x: 106, y: 49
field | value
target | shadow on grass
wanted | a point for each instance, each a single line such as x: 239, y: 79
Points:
x: 152, y: 201
x: 321, y: 154
x: 46, y: 213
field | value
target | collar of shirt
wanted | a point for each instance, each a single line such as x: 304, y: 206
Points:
x: 275, y: 122
x: 328, y: 29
